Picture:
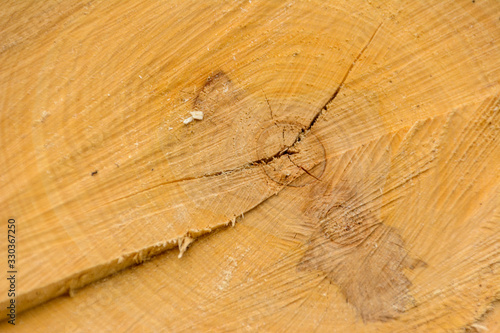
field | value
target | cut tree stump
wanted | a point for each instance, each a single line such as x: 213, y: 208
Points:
x: 344, y: 177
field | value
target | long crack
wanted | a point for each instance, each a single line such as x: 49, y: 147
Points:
x: 336, y: 92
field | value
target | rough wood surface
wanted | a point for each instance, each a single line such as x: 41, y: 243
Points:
x: 345, y: 175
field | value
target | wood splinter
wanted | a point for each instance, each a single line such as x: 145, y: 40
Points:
x: 198, y: 115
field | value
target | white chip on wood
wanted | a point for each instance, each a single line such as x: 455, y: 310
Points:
x: 197, y: 115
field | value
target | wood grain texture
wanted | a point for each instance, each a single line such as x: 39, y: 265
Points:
x: 353, y: 146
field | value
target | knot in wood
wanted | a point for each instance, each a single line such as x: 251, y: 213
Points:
x: 291, y: 156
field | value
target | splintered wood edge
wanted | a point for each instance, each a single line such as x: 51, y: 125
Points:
x: 81, y: 279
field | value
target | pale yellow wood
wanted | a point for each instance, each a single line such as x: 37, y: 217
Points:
x: 355, y: 145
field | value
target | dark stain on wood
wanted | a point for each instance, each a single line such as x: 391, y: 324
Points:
x: 217, y: 93
x: 360, y: 254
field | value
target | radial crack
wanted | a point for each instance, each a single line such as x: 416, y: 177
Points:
x: 306, y: 130
x: 339, y: 87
